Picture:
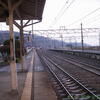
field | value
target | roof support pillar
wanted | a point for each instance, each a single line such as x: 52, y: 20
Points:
x: 14, y: 82
x: 32, y: 35
x: 21, y: 27
x: 22, y: 46
x: 22, y: 51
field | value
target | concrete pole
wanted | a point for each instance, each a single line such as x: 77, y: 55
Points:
x: 70, y: 41
x: 99, y: 41
x: 62, y: 27
x: 62, y: 40
x: 14, y: 82
x: 54, y: 41
x: 82, y: 37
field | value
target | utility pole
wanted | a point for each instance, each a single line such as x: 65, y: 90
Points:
x: 62, y: 40
x: 62, y: 28
x: 54, y: 41
x: 70, y: 42
x: 75, y: 43
x: 48, y: 40
x: 82, y: 37
x: 99, y: 41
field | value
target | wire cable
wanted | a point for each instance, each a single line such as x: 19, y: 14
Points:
x: 60, y: 11
x: 85, y: 16
x: 63, y: 10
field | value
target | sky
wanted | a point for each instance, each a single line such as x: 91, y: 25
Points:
x: 68, y: 14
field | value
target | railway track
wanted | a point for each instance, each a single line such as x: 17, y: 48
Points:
x: 88, y: 61
x: 83, y: 74
x: 85, y: 66
x: 68, y: 87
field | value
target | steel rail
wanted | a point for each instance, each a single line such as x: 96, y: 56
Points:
x: 53, y: 73
x: 90, y: 92
x: 90, y: 68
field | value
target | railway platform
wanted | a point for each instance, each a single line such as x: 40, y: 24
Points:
x: 37, y: 87
x: 42, y: 87
x: 5, y: 86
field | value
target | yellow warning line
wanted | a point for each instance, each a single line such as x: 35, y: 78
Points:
x: 26, y: 95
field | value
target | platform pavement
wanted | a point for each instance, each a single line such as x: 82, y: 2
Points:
x: 5, y: 89
x: 42, y: 85
x: 27, y: 91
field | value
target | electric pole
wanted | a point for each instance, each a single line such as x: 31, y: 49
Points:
x: 62, y: 28
x: 54, y: 41
x: 82, y: 37
x: 99, y: 41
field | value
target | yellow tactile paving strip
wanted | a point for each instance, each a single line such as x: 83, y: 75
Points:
x: 26, y: 95
x: 42, y: 87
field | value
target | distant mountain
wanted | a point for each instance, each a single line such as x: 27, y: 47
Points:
x: 4, y: 35
x: 51, y: 43
x: 40, y: 41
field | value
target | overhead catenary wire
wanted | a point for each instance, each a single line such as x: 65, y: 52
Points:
x: 97, y: 18
x: 67, y: 8
x: 84, y: 17
x: 62, y: 11
x: 62, y: 8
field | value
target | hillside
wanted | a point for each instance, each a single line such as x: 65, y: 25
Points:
x: 4, y: 35
x: 40, y: 41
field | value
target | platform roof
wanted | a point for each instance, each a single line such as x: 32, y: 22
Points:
x: 27, y: 10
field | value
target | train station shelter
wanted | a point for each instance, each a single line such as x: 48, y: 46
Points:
x: 12, y: 10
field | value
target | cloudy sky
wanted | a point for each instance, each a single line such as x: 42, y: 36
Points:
x: 70, y: 13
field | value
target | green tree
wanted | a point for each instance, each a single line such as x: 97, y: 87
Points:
x: 17, y: 47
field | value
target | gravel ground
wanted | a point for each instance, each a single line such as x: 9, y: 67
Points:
x: 89, y: 78
x: 89, y: 61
